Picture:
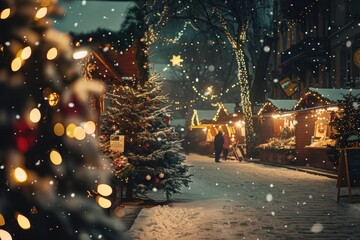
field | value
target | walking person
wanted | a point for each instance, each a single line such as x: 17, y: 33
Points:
x: 218, y: 145
x: 226, y: 146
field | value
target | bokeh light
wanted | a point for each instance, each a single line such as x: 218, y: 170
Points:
x: 2, y: 221
x: 59, y: 129
x: 20, y: 174
x: 79, y: 133
x: 26, y: 53
x: 23, y: 222
x: 89, y: 127
x: 55, y: 157
x: 41, y: 13
x: 51, y: 54
x: 103, y: 202
x: 104, y: 189
x: 35, y: 115
x: 16, y: 64
x: 53, y: 99
x: 70, y: 130
x: 4, y: 235
x: 5, y: 13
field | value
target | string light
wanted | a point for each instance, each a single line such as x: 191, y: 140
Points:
x: 195, y: 118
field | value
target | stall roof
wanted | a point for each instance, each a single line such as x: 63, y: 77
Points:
x: 206, y: 114
x: 283, y: 104
x: 230, y: 107
x: 277, y: 105
x: 332, y: 94
x: 316, y: 97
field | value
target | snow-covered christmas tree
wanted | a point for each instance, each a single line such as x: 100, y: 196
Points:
x: 153, y: 153
x: 49, y: 162
x: 346, y: 121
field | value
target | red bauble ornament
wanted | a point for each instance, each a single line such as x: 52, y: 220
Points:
x: 25, y: 136
x: 157, y: 180
x: 147, y: 145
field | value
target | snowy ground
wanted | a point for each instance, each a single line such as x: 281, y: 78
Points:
x: 232, y: 200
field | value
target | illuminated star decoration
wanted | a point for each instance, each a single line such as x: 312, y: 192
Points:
x: 176, y: 60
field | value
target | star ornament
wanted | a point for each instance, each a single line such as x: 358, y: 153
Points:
x: 176, y: 60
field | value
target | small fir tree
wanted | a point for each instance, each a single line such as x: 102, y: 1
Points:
x: 49, y: 162
x: 346, y: 121
x: 153, y: 153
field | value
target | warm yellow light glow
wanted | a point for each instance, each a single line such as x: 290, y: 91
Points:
x: 80, y: 54
x: 35, y: 115
x: 275, y: 116
x: 26, y: 53
x: 59, y: 129
x: 176, y: 60
x: 70, y: 130
x: 5, y: 13
x: 16, y: 64
x: 79, y: 133
x: 41, y: 13
x: 55, y: 157
x: 4, y: 235
x: 2, y: 221
x: 104, y: 189
x: 53, y: 99
x: 103, y: 202
x: 332, y: 109
x: 20, y: 174
x: 89, y: 127
x: 286, y: 115
x: 51, y: 54
x: 23, y: 222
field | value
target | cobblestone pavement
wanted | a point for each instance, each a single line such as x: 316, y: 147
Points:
x: 255, y: 201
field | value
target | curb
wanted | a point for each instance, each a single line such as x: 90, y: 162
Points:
x: 319, y: 172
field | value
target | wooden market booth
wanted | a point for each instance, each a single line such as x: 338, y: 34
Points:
x: 314, y: 113
x: 275, y: 127
x: 202, y: 132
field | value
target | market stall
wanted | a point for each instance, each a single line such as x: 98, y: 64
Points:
x: 314, y: 114
x: 202, y: 132
x: 276, y: 131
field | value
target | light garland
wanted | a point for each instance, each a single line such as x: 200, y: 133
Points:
x: 319, y: 98
x: 242, y: 76
x: 195, y: 118
x: 220, y: 106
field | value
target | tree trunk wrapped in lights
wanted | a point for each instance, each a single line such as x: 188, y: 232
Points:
x: 49, y: 162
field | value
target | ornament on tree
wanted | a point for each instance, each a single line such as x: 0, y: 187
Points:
x: 147, y: 145
x: 167, y: 119
x: 161, y: 175
x: 148, y: 177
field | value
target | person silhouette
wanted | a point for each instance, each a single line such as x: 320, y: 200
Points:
x: 218, y: 145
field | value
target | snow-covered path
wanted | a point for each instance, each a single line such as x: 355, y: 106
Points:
x: 232, y: 200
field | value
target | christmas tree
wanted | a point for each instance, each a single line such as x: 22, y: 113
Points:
x: 346, y: 121
x: 49, y: 162
x: 153, y: 153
